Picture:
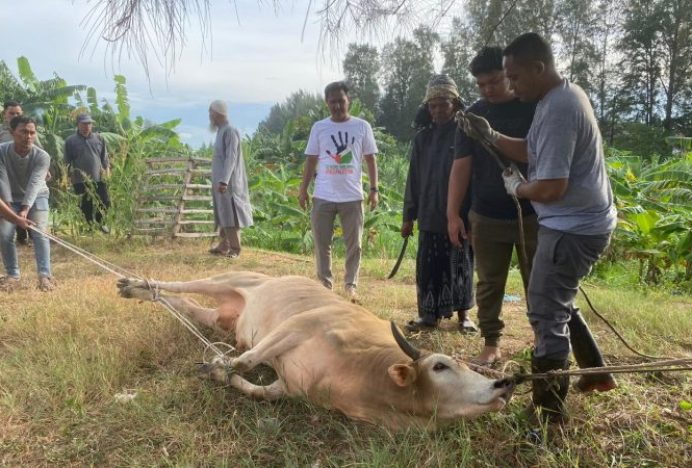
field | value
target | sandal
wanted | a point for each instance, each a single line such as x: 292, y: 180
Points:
x: 218, y: 251
x: 419, y: 325
x: 467, y: 327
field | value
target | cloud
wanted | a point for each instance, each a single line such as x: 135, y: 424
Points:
x: 253, y: 61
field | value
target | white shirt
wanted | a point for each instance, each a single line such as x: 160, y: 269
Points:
x: 340, y: 147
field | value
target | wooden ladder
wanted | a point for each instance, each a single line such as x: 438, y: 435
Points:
x: 175, y: 198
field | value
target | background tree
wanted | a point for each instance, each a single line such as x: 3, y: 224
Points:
x: 297, y: 104
x: 576, y: 28
x: 500, y: 21
x: 361, y: 67
x: 607, y: 33
x: 408, y: 66
x: 457, y: 51
x: 641, y: 46
x: 675, y: 21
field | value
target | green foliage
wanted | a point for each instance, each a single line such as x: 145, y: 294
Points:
x: 647, y: 141
x: 297, y: 105
x: 654, y: 202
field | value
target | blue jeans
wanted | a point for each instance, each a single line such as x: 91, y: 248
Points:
x: 39, y: 215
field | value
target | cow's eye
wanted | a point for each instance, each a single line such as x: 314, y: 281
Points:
x: 440, y: 367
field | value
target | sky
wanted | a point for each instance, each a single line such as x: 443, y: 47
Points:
x: 257, y: 57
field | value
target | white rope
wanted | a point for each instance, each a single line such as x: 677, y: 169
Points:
x: 124, y: 273
x: 103, y: 263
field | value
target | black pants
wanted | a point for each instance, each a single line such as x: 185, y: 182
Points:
x: 95, y: 200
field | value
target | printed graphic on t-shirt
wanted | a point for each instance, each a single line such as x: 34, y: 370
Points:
x: 341, y: 156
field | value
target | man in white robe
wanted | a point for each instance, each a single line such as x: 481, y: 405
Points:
x: 232, y: 208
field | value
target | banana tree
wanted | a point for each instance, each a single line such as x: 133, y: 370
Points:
x: 654, y: 202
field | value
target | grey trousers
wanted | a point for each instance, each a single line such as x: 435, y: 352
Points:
x: 561, y: 261
x: 493, y: 242
x: 322, y: 218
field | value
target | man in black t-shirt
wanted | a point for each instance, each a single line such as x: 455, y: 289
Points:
x: 494, y: 229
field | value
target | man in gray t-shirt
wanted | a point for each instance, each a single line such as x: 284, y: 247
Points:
x: 569, y: 189
x: 23, y: 169
x: 12, y: 109
x: 86, y: 156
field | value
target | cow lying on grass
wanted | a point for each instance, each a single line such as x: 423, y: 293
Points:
x: 335, y: 353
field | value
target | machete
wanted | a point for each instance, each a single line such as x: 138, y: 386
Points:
x: 399, y: 259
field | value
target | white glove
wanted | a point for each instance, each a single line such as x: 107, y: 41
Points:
x: 512, y: 179
x: 478, y: 128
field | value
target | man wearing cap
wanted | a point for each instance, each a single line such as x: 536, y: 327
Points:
x: 444, y: 272
x: 232, y: 208
x: 86, y: 157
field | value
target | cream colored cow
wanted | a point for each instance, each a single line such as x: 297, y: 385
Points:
x: 335, y: 353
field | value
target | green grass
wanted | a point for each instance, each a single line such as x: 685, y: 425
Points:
x: 65, y: 355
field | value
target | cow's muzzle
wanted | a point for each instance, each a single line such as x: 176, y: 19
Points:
x: 506, y: 388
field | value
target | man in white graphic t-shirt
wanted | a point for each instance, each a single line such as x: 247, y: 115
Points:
x: 336, y: 149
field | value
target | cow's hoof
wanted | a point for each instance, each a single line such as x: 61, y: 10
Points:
x: 131, y: 283
x: 239, y: 365
x: 213, y: 371
x: 132, y: 292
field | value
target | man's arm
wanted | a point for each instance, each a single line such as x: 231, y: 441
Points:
x: 7, y: 213
x: 478, y: 128
x: 543, y: 191
x: 36, y: 180
x: 459, y: 178
x: 68, y: 156
x: 373, y: 195
x: 308, y: 174
x: 513, y: 148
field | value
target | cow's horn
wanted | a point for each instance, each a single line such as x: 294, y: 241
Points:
x: 403, y: 343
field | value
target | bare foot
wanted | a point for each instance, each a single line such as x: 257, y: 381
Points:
x: 489, y: 355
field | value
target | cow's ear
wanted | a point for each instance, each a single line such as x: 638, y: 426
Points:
x: 402, y: 374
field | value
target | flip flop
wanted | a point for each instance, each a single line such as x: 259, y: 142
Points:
x: 468, y: 327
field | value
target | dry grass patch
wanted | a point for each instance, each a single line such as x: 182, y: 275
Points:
x: 65, y: 355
